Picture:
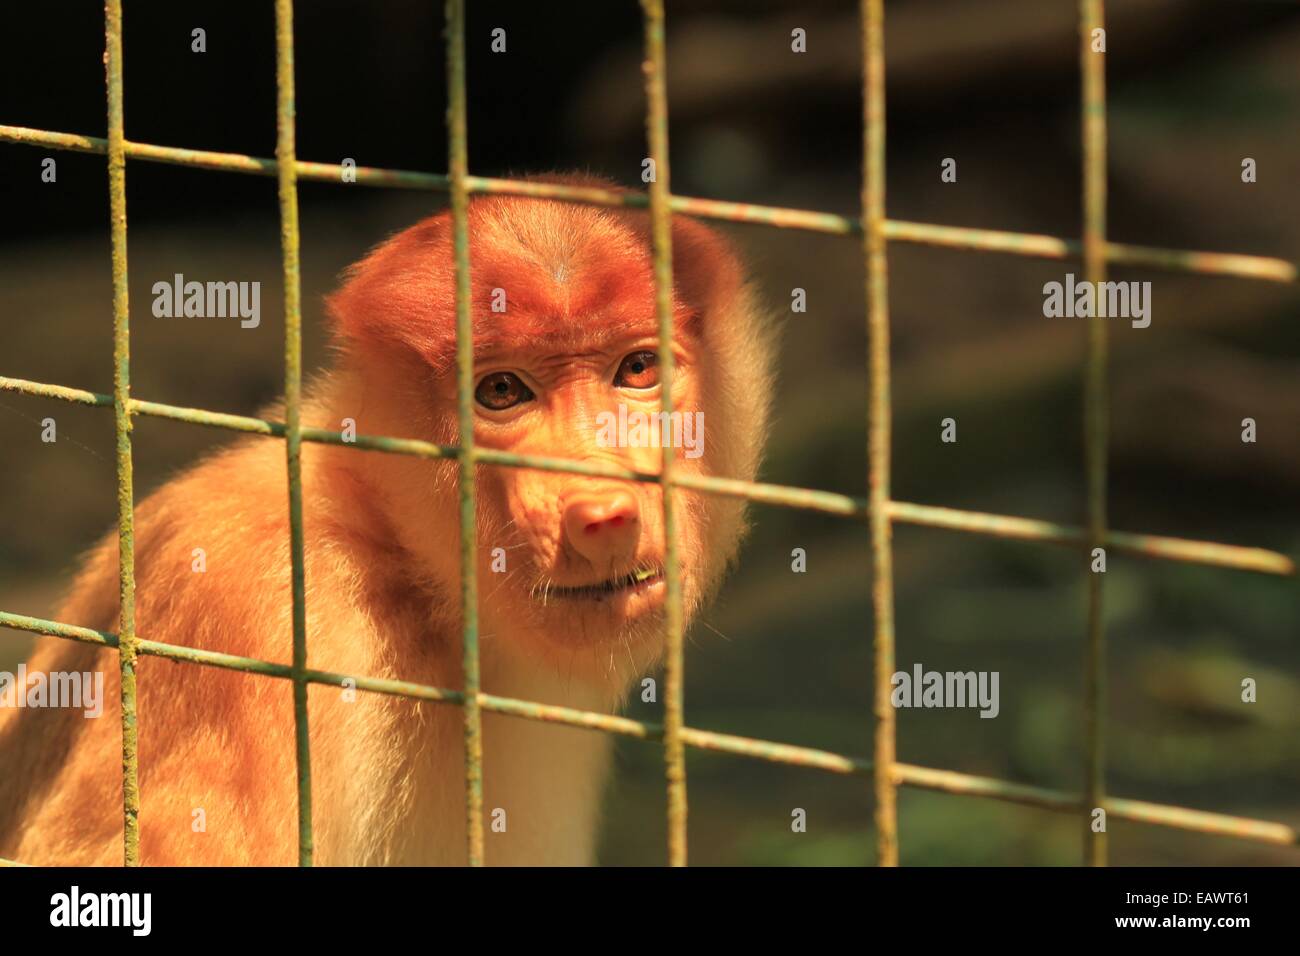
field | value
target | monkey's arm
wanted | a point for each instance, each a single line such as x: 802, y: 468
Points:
x: 216, y: 747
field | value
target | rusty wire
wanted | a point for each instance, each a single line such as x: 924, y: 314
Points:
x: 878, y: 509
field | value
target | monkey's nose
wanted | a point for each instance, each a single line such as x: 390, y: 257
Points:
x: 603, y: 528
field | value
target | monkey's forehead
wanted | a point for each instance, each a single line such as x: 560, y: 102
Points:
x: 539, y: 271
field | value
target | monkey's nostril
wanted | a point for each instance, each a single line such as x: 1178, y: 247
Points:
x: 603, y: 528
x: 594, y: 526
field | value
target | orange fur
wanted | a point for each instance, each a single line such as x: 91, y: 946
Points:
x: 382, y: 567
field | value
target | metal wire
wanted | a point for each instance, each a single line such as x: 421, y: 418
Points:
x: 879, y: 425
x: 289, y: 242
x: 809, y: 499
x: 661, y: 239
x: 948, y: 781
x: 127, y: 649
x: 878, y: 508
x: 1034, y: 245
x: 457, y: 118
x: 1095, y: 416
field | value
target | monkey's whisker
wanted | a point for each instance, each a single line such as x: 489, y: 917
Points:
x: 714, y: 630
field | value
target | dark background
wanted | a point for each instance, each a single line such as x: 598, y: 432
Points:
x: 1194, y: 87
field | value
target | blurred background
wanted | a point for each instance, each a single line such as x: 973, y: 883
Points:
x: 1194, y: 88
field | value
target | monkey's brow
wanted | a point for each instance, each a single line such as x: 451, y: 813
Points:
x: 495, y: 338
x: 524, y: 334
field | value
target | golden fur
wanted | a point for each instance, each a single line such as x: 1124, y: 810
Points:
x: 382, y: 592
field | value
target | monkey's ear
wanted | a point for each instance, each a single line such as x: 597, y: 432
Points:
x: 706, y: 269
x: 399, y: 293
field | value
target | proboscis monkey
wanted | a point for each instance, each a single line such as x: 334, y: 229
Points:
x: 575, y: 617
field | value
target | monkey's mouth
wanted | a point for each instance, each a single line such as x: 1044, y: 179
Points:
x: 636, y: 582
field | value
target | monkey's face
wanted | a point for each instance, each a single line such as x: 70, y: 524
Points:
x: 577, y: 562
x: 562, y: 303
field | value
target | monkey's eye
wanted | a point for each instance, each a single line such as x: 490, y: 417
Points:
x: 638, y: 370
x: 502, y: 390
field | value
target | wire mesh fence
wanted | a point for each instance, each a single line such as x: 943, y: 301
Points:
x: 878, y: 509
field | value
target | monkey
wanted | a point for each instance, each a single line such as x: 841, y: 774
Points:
x: 572, y: 589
